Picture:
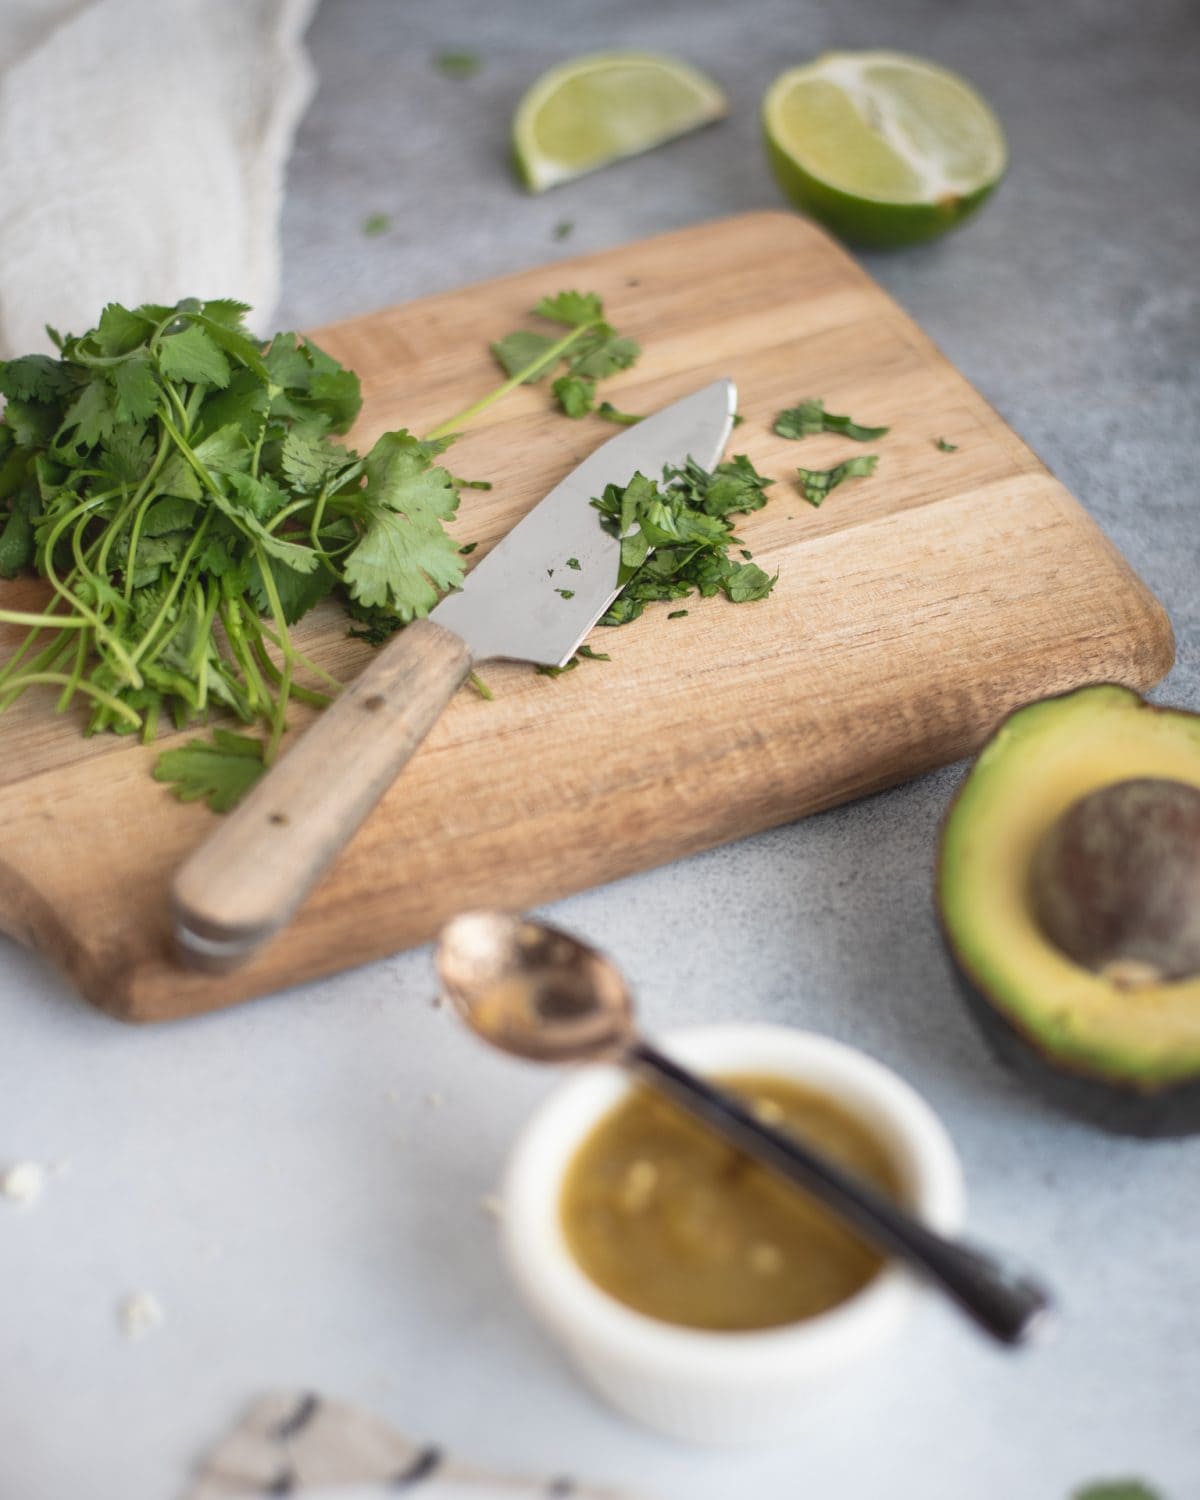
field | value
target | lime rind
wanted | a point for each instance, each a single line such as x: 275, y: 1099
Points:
x: 883, y: 148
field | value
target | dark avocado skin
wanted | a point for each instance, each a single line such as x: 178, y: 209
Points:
x: 1117, y: 1107
x: 1170, y: 1111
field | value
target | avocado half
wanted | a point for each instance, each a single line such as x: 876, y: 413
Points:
x: 1124, y: 1057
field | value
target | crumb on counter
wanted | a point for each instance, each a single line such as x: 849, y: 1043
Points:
x: 140, y: 1315
x: 23, y: 1182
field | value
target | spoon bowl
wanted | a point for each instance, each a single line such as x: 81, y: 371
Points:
x: 534, y: 990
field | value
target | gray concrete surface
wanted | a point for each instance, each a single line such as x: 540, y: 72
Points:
x: 279, y: 1176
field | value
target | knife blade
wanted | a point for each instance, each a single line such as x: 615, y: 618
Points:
x: 510, y: 604
x: 521, y: 601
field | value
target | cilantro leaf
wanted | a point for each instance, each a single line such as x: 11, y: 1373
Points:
x: 572, y: 308
x: 220, y: 771
x: 602, y: 354
x: 946, y: 447
x: 137, y: 389
x: 747, y: 581
x: 120, y: 331
x: 516, y: 351
x: 376, y: 224
x: 32, y: 423
x: 810, y: 417
x: 308, y: 460
x: 191, y: 355
x: 297, y: 589
x: 575, y: 394
x: 404, y: 555
x: 815, y: 484
x: 16, y: 542
x: 34, y: 377
x: 90, y: 417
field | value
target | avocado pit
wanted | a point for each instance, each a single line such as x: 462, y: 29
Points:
x: 1115, y: 882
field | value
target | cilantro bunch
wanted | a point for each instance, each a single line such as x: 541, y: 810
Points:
x: 179, y: 486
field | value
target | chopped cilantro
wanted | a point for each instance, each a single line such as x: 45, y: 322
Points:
x: 677, y: 614
x: 947, y: 447
x: 563, y: 228
x: 467, y: 549
x: 481, y: 687
x: 566, y: 593
x: 575, y: 394
x: 1116, y: 1489
x: 584, y: 653
x: 815, y: 484
x: 810, y: 417
x: 458, y: 64
x: 675, y: 536
x: 622, y: 418
x: 375, y: 224
x: 573, y: 562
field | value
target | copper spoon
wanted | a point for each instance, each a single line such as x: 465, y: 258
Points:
x: 541, y: 994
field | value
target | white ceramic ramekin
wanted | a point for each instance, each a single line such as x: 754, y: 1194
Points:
x: 718, y: 1387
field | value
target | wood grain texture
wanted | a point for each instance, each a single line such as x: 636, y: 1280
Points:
x: 913, y: 610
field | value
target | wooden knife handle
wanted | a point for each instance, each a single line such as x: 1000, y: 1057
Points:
x: 247, y: 879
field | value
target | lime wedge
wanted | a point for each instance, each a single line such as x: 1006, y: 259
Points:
x: 884, y: 149
x: 593, y: 110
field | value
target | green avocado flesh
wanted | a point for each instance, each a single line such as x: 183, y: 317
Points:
x: 1041, y: 761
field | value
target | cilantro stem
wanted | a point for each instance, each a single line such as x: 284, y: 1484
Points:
x: 176, y: 582
x: 300, y: 658
x: 278, y: 718
x: 299, y: 692
x: 114, y: 705
x: 258, y: 445
x: 44, y: 621
x: 68, y: 692
x: 103, y: 634
x: 545, y: 361
x: 258, y: 697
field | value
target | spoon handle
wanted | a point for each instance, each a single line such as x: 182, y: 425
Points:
x: 1003, y: 1302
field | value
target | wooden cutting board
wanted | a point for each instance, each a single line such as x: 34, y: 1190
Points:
x: 912, y: 611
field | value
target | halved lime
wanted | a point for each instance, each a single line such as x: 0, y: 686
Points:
x: 590, y: 111
x: 883, y: 148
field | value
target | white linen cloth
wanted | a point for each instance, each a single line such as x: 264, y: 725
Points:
x: 142, y: 153
x: 298, y: 1443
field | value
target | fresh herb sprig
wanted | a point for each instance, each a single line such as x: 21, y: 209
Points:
x: 592, y: 350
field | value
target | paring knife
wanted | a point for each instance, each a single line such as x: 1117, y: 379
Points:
x: 245, y: 882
